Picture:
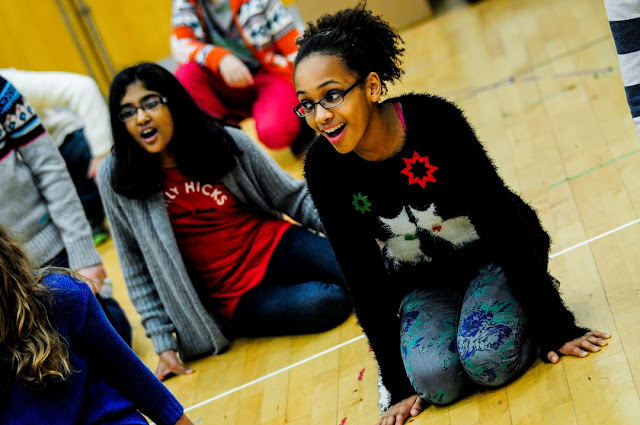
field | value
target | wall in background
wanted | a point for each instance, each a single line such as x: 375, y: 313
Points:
x: 92, y: 37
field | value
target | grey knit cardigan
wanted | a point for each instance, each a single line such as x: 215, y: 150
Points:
x: 155, y: 275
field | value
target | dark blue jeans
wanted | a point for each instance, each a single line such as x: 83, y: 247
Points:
x: 77, y: 155
x: 111, y: 308
x: 302, y: 290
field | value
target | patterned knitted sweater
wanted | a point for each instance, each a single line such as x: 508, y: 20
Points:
x: 38, y: 201
x: 66, y: 102
x: 265, y: 26
x: 429, y: 217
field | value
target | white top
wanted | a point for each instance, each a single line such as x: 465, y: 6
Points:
x: 66, y: 102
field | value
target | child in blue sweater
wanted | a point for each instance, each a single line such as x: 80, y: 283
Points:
x: 61, y: 362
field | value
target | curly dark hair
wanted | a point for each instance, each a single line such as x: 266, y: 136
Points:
x: 364, y: 41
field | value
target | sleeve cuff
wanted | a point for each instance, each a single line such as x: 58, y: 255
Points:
x: 163, y: 342
x: 82, y: 253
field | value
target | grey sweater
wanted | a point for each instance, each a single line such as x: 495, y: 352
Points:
x: 38, y: 201
x: 155, y: 275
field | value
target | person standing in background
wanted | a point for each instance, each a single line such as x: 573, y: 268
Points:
x: 74, y: 113
x: 624, y: 21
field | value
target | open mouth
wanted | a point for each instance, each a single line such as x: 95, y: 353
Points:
x: 149, y: 133
x: 335, y: 131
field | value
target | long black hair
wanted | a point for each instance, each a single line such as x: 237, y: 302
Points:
x: 202, y: 147
x: 365, y: 43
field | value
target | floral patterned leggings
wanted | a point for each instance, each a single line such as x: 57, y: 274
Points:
x: 447, y: 344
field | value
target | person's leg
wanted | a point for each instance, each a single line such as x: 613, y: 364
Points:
x: 212, y: 94
x: 494, y: 343
x: 276, y: 123
x: 302, y: 290
x: 428, y: 345
x: 303, y: 255
x: 77, y: 156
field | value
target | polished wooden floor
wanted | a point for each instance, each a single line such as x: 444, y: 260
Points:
x: 539, y: 80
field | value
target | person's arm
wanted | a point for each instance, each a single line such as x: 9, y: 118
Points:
x: 77, y: 92
x: 54, y: 183
x: 188, y: 38
x: 277, y: 189
x: 184, y: 420
x: 121, y: 368
x: 140, y: 286
x: 513, y: 233
x: 282, y: 35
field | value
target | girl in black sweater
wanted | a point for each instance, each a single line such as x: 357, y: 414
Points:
x: 447, y: 267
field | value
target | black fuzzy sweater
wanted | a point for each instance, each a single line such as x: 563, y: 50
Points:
x: 430, y: 217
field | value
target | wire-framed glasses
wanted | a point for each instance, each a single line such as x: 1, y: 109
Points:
x: 331, y: 100
x: 148, y: 104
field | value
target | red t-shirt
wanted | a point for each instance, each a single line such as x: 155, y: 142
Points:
x: 224, y: 245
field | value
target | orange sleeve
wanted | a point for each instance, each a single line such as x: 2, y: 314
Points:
x: 187, y: 48
x: 287, y: 43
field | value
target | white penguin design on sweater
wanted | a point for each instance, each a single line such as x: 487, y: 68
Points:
x: 404, y: 245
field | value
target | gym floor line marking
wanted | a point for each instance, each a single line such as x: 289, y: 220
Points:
x: 322, y: 353
x: 277, y: 372
x: 592, y: 169
x: 596, y: 73
x: 541, y: 64
x: 595, y: 238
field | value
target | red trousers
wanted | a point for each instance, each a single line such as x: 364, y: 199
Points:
x: 270, y: 101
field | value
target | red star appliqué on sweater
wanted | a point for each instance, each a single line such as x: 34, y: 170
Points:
x: 409, y: 171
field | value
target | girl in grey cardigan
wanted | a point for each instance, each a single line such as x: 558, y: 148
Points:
x: 196, y: 211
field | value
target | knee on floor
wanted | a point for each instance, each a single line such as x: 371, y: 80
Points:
x: 439, y: 385
x: 489, y: 368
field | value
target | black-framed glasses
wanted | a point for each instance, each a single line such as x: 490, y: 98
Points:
x: 148, y: 104
x: 331, y: 100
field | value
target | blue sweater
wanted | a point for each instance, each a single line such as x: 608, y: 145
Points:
x: 110, y: 383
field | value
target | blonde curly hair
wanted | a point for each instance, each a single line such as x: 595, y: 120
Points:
x: 29, y: 341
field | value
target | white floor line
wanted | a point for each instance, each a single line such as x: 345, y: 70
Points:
x: 255, y: 381
x: 595, y: 238
x: 322, y: 353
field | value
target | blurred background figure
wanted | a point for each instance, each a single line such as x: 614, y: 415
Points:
x: 236, y: 60
x: 39, y: 203
x: 74, y: 113
x: 624, y: 20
